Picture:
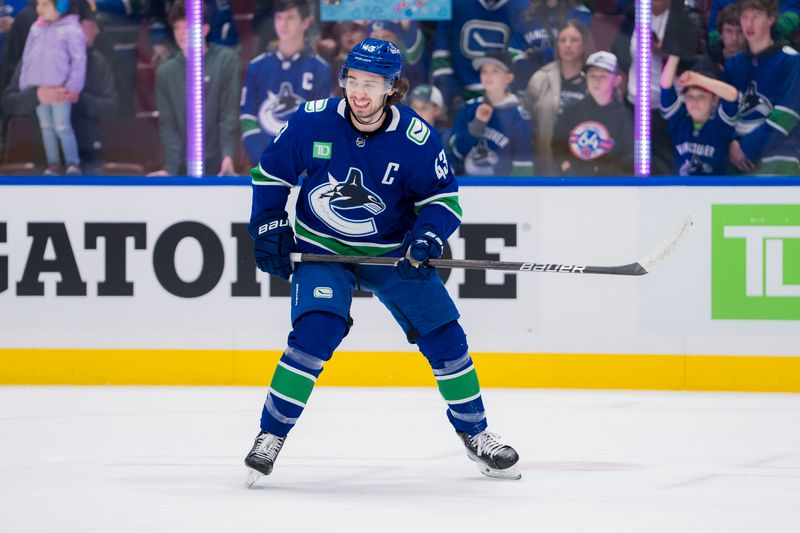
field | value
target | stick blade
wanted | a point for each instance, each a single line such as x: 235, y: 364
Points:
x: 663, y: 250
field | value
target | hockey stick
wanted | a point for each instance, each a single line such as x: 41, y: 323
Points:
x: 638, y: 268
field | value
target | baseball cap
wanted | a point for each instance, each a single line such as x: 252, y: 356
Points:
x: 495, y: 57
x: 386, y: 25
x: 427, y: 93
x: 604, y: 60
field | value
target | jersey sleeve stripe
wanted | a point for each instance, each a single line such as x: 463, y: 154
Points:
x: 447, y: 200
x: 260, y: 177
x: 782, y: 119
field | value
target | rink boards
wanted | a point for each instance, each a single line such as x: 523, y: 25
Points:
x: 152, y: 282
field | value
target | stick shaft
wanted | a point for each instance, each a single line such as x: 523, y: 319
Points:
x: 632, y: 269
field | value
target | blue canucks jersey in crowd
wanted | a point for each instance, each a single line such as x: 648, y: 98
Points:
x: 274, y: 88
x: 502, y: 147
x: 768, y: 109
x: 477, y: 26
x: 698, y: 151
x: 360, y: 193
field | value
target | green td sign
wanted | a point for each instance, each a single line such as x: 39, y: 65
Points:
x: 755, y: 262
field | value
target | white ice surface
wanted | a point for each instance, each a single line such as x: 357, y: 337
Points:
x: 140, y: 459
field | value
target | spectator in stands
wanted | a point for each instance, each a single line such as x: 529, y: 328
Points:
x: 700, y: 137
x: 787, y: 20
x: 595, y: 136
x: 97, y: 101
x: 220, y: 100
x: 223, y: 29
x: 343, y: 36
x: 533, y: 42
x: 407, y: 35
x: 476, y: 27
x: 767, y: 76
x: 555, y: 87
x: 492, y: 133
x: 280, y: 80
x: 55, y: 56
x: 731, y: 40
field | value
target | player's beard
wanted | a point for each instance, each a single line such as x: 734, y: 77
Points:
x: 369, y: 115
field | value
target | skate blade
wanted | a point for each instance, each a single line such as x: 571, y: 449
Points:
x: 511, y: 472
x: 252, y: 477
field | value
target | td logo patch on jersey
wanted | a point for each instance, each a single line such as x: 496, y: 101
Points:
x: 329, y: 200
x: 590, y: 140
x: 277, y: 108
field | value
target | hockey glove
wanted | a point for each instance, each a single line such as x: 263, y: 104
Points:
x: 274, y: 241
x: 424, y: 245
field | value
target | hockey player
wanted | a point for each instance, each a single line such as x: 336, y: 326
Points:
x: 492, y: 133
x: 376, y: 183
x: 767, y: 76
x: 699, y: 134
x: 279, y: 81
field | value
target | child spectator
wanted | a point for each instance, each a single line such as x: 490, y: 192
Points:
x: 220, y: 100
x: 595, y: 136
x: 555, y: 87
x: 767, y: 76
x: 55, y: 56
x: 492, y: 133
x: 731, y: 39
x: 97, y: 101
x: 699, y: 135
x: 280, y: 80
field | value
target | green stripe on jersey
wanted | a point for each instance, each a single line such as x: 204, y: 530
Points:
x: 249, y: 124
x: 448, y: 201
x: 341, y: 248
x: 256, y: 175
x: 459, y: 388
x: 786, y: 121
x: 290, y: 383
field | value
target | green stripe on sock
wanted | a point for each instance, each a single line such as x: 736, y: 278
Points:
x: 291, y: 385
x: 460, y: 388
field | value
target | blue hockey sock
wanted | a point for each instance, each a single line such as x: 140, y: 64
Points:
x: 447, y: 351
x: 312, y: 341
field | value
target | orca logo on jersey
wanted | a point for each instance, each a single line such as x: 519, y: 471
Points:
x: 754, y: 107
x: 329, y: 199
x: 277, y: 108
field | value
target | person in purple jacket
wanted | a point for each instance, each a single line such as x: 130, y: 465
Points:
x: 55, y: 56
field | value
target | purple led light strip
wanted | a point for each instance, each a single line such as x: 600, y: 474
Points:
x: 641, y: 126
x: 194, y: 88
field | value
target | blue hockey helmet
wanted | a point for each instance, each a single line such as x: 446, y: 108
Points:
x: 376, y: 56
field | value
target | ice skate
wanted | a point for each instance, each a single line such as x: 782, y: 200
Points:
x: 261, y: 458
x: 494, y: 459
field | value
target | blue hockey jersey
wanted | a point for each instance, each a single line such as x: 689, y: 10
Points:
x: 274, y: 88
x: 768, y: 110
x: 360, y: 193
x: 697, y: 152
x: 502, y: 148
x: 476, y: 27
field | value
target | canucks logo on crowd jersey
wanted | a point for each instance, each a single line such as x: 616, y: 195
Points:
x: 277, y: 108
x: 329, y: 200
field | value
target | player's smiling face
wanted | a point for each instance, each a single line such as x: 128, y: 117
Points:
x: 366, y: 94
